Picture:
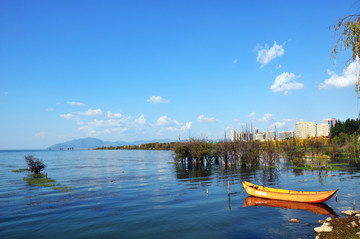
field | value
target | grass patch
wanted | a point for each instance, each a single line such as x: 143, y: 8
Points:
x: 41, y: 180
x: 338, y: 164
x: 332, y: 168
x: 21, y: 170
x: 63, y: 188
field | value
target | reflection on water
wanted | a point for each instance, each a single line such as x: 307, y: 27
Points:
x: 195, y: 171
x: 318, y: 208
x: 204, y: 173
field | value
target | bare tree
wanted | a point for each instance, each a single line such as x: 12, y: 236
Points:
x: 35, y: 165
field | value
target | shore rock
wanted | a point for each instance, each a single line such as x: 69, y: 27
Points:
x: 294, y: 220
x: 350, y: 212
x: 323, y: 228
x: 353, y: 224
x: 328, y: 219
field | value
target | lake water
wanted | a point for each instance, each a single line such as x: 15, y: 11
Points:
x: 144, y: 194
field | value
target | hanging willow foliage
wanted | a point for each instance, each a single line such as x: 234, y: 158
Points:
x: 348, y: 28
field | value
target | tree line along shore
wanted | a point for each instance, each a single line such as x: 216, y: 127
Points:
x: 342, y: 143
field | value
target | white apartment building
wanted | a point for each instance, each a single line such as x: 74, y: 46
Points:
x: 305, y: 129
x: 270, y: 135
x: 311, y: 129
x: 259, y: 136
x: 234, y: 135
x: 323, y: 129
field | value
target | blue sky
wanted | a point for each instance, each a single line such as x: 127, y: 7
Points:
x: 134, y: 70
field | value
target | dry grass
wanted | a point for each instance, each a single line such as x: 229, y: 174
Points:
x: 342, y: 229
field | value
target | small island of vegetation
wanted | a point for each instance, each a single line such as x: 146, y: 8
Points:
x: 36, y: 178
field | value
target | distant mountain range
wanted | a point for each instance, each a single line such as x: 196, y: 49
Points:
x: 92, y: 143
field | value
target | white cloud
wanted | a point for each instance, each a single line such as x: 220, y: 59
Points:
x: 157, y: 100
x: 252, y: 115
x: 268, y: 54
x: 115, y: 122
x: 165, y: 120
x: 75, y: 103
x: 283, y: 124
x: 96, y: 123
x: 113, y: 115
x: 67, y: 116
x: 186, y: 126
x: 348, y: 78
x: 266, y: 117
x: 278, y: 124
x: 205, y: 119
x: 141, y: 120
x: 286, y: 82
x: 93, y: 113
x: 235, y: 61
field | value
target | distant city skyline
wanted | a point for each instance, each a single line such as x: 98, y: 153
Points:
x: 303, y: 130
x: 141, y: 70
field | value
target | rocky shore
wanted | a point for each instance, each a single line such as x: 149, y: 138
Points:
x: 340, y: 228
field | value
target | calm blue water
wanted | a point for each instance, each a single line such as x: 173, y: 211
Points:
x: 143, y: 194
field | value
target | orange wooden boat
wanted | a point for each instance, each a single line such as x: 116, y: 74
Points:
x: 318, y: 208
x: 287, y: 195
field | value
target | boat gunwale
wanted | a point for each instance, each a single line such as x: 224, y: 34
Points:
x: 292, y: 192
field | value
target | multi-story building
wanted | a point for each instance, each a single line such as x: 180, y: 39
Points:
x: 312, y: 129
x: 270, y: 135
x: 233, y: 136
x: 331, y: 122
x: 259, y: 136
x: 322, y: 129
x: 248, y: 136
x: 286, y: 135
x: 305, y: 129
x: 241, y: 136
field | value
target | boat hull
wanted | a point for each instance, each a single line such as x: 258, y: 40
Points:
x: 318, y: 208
x: 287, y: 195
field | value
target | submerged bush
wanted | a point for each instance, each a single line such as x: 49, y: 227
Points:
x: 35, y: 165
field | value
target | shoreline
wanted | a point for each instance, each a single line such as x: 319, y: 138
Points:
x: 340, y: 228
